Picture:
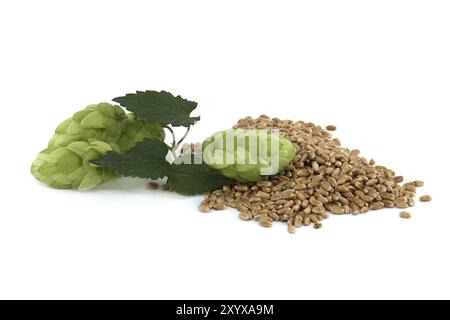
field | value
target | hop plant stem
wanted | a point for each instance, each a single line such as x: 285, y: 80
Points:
x: 176, y: 145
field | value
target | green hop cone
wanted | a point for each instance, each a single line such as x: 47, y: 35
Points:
x: 136, y: 130
x: 247, y: 155
x: 103, y: 121
x: 86, y: 136
x: 69, y: 167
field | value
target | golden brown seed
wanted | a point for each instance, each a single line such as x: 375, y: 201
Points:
x: 388, y: 196
x: 405, y: 215
x: 332, y: 181
x: 307, y: 210
x: 305, y: 203
x: 314, y: 218
x: 152, y: 186
x: 341, y: 180
x: 402, y: 205
x: 317, y: 225
x: 346, y: 169
x: 240, y: 188
x: 377, y: 206
x: 315, y: 202
x: 364, y: 209
x: 255, y: 210
x: 315, y: 166
x: 266, y: 223
x: 343, y: 201
x: 289, y: 204
x: 298, y: 221
x: 274, y: 216
x: 318, y: 210
x: 257, y: 216
x: 291, y: 229
x: 326, y: 186
x: 232, y: 204
x: 290, y: 221
x: 331, y: 127
x: 219, y: 206
x: 262, y: 195
x: 336, y: 173
x: 300, y: 186
x: 324, y: 215
x: 366, y: 198
x: 165, y: 187
x: 242, y: 208
x: 245, y: 216
x: 419, y: 183
x: 425, y: 198
x: 359, y: 202
x: 264, y: 184
x: 337, y: 210
x: 306, y: 221
x: 285, y: 211
x: 342, y: 189
x: 203, y: 208
x: 288, y: 194
x: 388, y: 204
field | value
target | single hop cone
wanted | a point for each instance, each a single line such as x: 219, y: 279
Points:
x: 69, y: 167
x: 248, y: 155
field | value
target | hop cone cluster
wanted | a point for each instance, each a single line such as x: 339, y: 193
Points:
x: 247, y: 155
x: 86, y: 136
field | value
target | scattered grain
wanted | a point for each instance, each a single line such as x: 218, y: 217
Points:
x: 152, y: 186
x: 425, y: 198
x: 266, y: 223
x: 245, y: 216
x: 203, y: 208
x: 405, y: 215
x: 419, y: 183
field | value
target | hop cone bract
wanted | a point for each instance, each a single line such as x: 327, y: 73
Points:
x: 102, y: 121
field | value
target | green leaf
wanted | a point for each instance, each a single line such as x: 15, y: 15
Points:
x: 192, y: 179
x: 146, y: 160
x: 160, y: 107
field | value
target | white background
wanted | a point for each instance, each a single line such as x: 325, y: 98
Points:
x: 379, y: 70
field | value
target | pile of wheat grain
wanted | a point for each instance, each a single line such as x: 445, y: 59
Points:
x: 323, y: 178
